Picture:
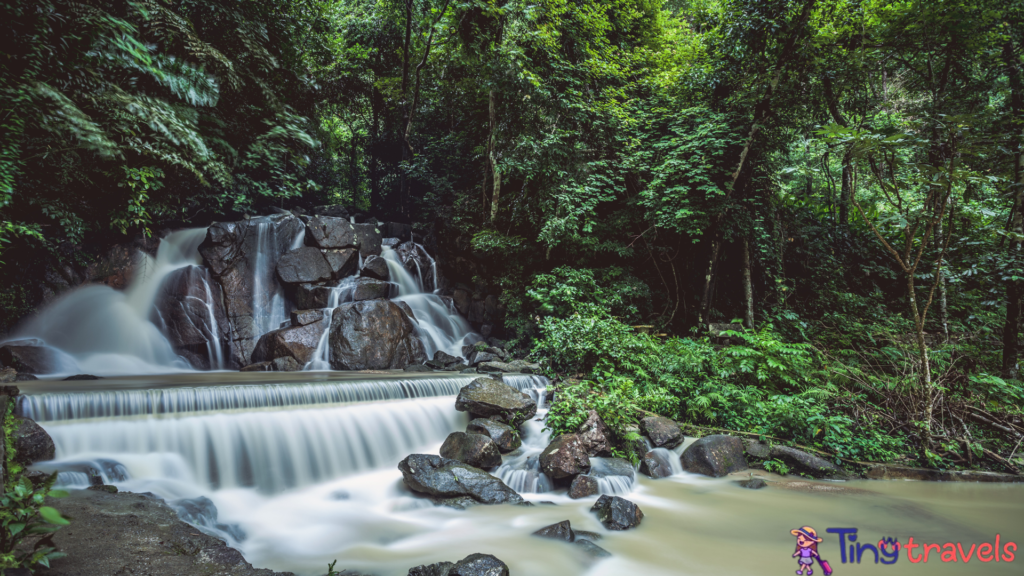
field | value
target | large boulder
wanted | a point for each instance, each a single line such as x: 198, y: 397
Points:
x: 595, y: 435
x: 443, y: 360
x: 242, y: 256
x: 376, y: 267
x: 513, y: 366
x: 582, y: 486
x: 373, y: 335
x: 502, y: 435
x: 715, y: 455
x: 331, y: 232
x: 31, y: 443
x: 564, y: 458
x: 654, y: 465
x: 479, y: 565
x: 617, y: 513
x: 442, y: 479
x: 343, y: 263
x: 306, y: 317
x: 368, y: 238
x: 662, y: 432
x: 437, y: 569
x: 473, y: 449
x: 304, y: 264
x: 370, y: 289
x: 189, y: 312
x: 803, y: 463
x: 32, y: 357
x: 298, y: 342
x: 757, y: 449
x: 486, y: 397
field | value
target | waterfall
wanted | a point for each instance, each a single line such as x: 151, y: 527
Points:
x: 520, y: 470
x: 321, y: 358
x: 99, y: 330
x: 268, y: 303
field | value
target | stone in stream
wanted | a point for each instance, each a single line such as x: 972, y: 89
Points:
x: 305, y: 264
x: 442, y: 478
x: 473, y: 449
x: 370, y: 289
x: 617, y: 513
x: 438, y: 569
x: 486, y: 397
x: 715, y: 456
x: 502, y: 435
x: 369, y: 240
x: 373, y: 335
x: 564, y: 458
x: 560, y: 531
x: 594, y: 434
x: 31, y: 443
x: 759, y: 450
x: 582, y: 486
x: 417, y: 368
x: 30, y: 356
x: 343, y: 263
x: 753, y: 483
x: 78, y: 377
x: 286, y: 364
x: 297, y: 342
x: 513, y: 366
x: 187, y: 308
x: 376, y: 267
x: 479, y: 565
x: 655, y: 466
x: 801, y: 462
x: 592, y: 550
x: 442, y: 360
x: 663, y: 432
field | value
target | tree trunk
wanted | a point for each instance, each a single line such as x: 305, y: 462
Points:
x: 845, y: 191
x: 748, y: 288
x: 926, y: 372
x: 495, y: 174
x: 1014, y: 289
x: 941, y: 279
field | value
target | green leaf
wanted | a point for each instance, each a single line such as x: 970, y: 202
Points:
x: 52, y: 516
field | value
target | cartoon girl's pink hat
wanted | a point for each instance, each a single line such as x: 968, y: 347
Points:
x: 806, y: 531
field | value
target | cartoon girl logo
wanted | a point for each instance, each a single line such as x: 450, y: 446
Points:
x: 807, y: 550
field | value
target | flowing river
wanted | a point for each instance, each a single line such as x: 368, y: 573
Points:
x: 302, y: 470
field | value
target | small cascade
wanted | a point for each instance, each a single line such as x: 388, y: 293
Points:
x: 268, y: 302
x: 520, y: 470
x: 321, y: 359
x: 614, y: 475
x: 271, y: 450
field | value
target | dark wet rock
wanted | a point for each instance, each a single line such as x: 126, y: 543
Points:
x: 592, y: 550
x: 617, y: 513
x: 202, y: 513
x: 477, y: 358
x: 311, y: 296
x: 331, y: 210
x: 663, y: 432
x: 231, y: 251
x: 445, y: 359
x: 25, y: 356
x: 460, y: 367
x: 418, y: 368
x: 654, y: 465
x: 895, y: 472
x: 25, y: 377
x: 258, y: 367
x: 125, y: 533
x: 502, y: 435
x: 595, y: 435
x: 583, y: 486
x: 592, y: 536
x: 189, y: 311
x: 607, y: 467
x: 753, y: 483
x: 31, y: 443
x: 369, y: 240
x: 759, y: 450
x: 801, y: 462
x: 286, y: 364
x: 715, y: 456
x: 468, y: 371
x: 444, y: 478
x: 438, y: 569
x: 82, y: 377
x: 298, y: 342
x: 370, y: 289
x: 473, y: 449
x: 343, y: 263
x: 306, y: 317
x: 305, y: 264
x: 560, y: 531
x: 373, y: 335
x: 486, y: 397
x: 331, y: 232
x: 376, y: 267
x: 479, y: 565
x: 514, y: 366
x: 564, y: 458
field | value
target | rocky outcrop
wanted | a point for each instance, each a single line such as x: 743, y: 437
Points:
x: 232, y: 251
x: 474, y: 449
x: 373, y: 335
x: 595, y: 435
x: 715, y: 456
x: 376, y: 267
x: 368, y: 238
x: 801, y: 462
x: 331, y: 232
x: 486, y: 397
x: 582, y: 486
x: 343, y: 263
x: 189, y: 312
x: 617, y: 513
x: 306, y: 317
x: 444, y: 479
x: 502, y: 435
x: 443, y: 360
x: 757, y: 449
x: 31, y: 443
x: 564, y: 458
x: 662, y: 432
x: 297, y: 342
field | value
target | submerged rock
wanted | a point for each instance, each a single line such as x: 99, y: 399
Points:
x: 803, y: 463
x: 373, y: 335
x: 617, y: 513
x: 29, y: 358
x: 714, y: 456
x: 582, y: 486
x: 31, y: 443
x: 486, y: 397
x: 503, y: 435
x: 662, y: 432
x: 564, y: 458
x: 77, y: 377
x: 560, y: 531
x: 473, y: 449
x: 753, y: 483
x: 592, y: 550
x: 443, y: 478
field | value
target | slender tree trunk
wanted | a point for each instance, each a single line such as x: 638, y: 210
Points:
x: 1015, y: 288
x: 941, y: 279
x: 845, y: 191
x: 926, y: 371
x: 495, y: 173
x: 748, y: 287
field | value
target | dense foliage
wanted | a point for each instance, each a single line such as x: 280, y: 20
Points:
x: 844, y: 177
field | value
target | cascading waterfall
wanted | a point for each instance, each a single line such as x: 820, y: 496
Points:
x: 520, y: 470
x: 268, y: 302
x: 321, y: 358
